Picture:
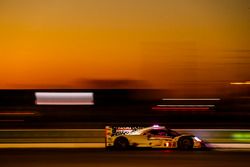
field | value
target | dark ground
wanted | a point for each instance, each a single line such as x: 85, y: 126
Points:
x: 101, y: 157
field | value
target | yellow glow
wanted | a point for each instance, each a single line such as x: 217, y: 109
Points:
x: 61, y: 44
x: 240, y: 83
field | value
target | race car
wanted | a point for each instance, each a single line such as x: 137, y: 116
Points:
x: 151, y: 137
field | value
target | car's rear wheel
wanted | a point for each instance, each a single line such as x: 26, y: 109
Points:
x: 185, y: 143
x: 121, y: 143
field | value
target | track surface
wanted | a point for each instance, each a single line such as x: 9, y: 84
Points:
x: 132, y: 158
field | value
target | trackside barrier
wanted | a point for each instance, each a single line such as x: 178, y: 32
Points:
x: 98, y: 135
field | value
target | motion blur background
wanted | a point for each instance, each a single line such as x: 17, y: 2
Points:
x: 180, y: 63
x: 187, y: 46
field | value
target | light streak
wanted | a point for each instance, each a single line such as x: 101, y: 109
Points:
x: 240, y: 83
x: 17, y: 113
x: 64, y: 98
x: 190, y: 99
x: 180, y: 108
x: 185, y: 105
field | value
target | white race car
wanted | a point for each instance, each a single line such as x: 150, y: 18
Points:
x: 151, y: 137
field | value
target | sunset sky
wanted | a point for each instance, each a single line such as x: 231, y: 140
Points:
x: 166, y: 43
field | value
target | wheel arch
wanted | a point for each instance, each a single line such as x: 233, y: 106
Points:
x: 121, y: 139
x: 180, y: 142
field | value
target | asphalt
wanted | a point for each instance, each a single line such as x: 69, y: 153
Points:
x: 131, y: 158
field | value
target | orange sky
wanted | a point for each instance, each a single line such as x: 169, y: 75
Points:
x: 56, y: 43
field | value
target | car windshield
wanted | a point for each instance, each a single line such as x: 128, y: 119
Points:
x: 162, y: 132
x: 173, y: 133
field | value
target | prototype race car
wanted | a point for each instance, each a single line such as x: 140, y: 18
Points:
x: 151, y: 137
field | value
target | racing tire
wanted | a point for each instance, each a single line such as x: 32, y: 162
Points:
x: 185, y: 143
x: 121, y: 143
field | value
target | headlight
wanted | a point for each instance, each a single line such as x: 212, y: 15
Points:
x: 197, y: 139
